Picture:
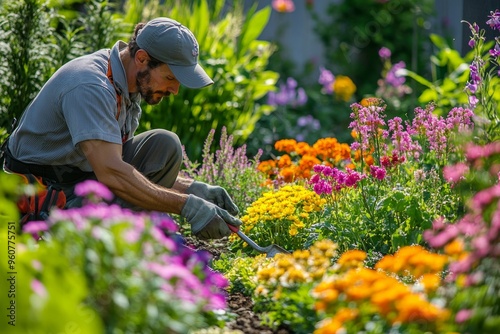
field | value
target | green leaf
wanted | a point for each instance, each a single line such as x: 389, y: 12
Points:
x: 421, y: 80
x: 253, y: 27
x: 438, y: 41
x: 428, y: 95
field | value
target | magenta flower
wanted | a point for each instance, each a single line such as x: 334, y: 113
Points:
x: 495, y: 52
x: 378, y: 172
x: 384, y: 53
x: 93, y: 189
x: 35, y: 227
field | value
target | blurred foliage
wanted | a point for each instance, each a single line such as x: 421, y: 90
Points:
x: 34, y: 49
x: 355, y: 30
x: 449, y: 74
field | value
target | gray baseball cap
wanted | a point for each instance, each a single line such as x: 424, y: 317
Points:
x: 175, y: 45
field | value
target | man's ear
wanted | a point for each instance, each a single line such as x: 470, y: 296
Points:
x: 141, y: 58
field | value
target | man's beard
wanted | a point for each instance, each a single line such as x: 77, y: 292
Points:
x: 143, y: 79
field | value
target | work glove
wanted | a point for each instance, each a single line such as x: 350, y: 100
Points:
x: 214, y: 194
x: 208, y: 221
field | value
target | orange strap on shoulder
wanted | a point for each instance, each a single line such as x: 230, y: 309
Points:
x: 109, y: 74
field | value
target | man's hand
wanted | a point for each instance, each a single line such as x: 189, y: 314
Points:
x: 208, y: 221
x: 214, y: 194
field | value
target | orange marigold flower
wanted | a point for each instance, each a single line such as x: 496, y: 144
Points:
x: 288, y: 174
x: 303, y: 148
x: 328, y: 326
x: 352, y: 258
x: 284, y: 161
x: 346, y: 314
x: 308, y: 162
x: 354, y: 134
x: 351, y: 166
x: 454, y: 248
x: 413, y: 308
x: 344, y: 152
x: 329, y: 295
x: 358, y: 292
x: 430, y: 282
x: 285, y: 145
x: 267, y: 166
x: 371, y: 101
x: 385, y: 263
x: 369, y: 160
x: 357, y: 155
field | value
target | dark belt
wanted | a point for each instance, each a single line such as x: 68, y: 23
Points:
x: 55, y: 173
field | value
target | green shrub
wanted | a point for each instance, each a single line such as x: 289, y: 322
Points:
x: 34, y: 49
x: 27, y: 52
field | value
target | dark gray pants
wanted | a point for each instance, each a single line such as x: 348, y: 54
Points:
x: 157, y: 154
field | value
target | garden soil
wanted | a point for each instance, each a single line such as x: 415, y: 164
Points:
x: 247, y: 321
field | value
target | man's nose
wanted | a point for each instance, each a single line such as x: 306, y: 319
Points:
x: 174, y: 89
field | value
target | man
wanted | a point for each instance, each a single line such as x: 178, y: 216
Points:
x: 81, y: 125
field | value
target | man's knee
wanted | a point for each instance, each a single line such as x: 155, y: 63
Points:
x: 168, y: 144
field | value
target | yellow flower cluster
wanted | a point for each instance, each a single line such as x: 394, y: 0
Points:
x: 344, y: 87
x: 290, y: 206
x: 302, y: 266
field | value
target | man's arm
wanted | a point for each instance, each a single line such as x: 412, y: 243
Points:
x: 128, y: 183
x: 182, y: 184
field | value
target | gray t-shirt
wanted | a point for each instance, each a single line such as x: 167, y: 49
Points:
x: 77, y: 103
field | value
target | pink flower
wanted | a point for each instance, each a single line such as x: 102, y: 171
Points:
x: 38, y: 288
x: 438, y: 240
x: 463, y: 315
x: 35, y: 227
x: 384, y: 53
x: 93, y: 188
x: 483, y: 198
x: 283, y: 6
x: 455, y: 173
